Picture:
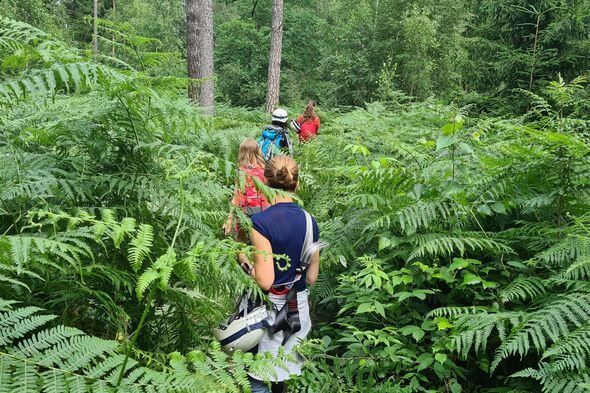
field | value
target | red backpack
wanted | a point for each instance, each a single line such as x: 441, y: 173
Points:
x: 252, y: 201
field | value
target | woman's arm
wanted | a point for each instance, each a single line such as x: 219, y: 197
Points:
x: 263, y: 271
x: 314, y: 269
x: 317, y: 124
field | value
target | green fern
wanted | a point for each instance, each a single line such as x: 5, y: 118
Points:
x: 550, y: 323
x: 140, y: 246
x: 62, y: 358
x: 523, y: 288
x: 579, y: 270
x: 442, y: 244
x: 565, y: 251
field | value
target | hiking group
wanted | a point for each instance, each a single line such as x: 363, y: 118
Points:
x: 279, y: 227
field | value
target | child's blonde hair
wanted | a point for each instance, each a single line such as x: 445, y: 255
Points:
x: 250, y: 153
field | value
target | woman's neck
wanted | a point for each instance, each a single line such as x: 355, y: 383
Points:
x: 281, y: 199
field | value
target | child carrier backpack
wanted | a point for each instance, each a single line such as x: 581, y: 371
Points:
x: 273, y: 141
x: 252, y: 201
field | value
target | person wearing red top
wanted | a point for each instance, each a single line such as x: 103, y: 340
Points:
x: 247, y: 197
x: 309, y: 123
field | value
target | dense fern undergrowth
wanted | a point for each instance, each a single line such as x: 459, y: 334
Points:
x: 460, y: 242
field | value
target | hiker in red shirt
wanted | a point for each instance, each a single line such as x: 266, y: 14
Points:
x: 247, y: 197
x: 309, y: 123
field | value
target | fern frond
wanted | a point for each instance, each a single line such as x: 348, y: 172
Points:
x: 565, y: 251
x: 422, y: 215
x: 65, y: 359
x: 454, y: 311
x: 444, y: 245
x: 522, y: 288
x: 476, y: 329
x: 556, y: 382
x: 140, y: 246
x: 69, y: 77
x: 578, y: 341
x: 577, y: 271
x: 550, y: 323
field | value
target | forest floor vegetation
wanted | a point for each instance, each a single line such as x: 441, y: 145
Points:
x: 460, y: 241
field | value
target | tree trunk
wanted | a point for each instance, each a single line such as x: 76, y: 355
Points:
x: 199, y: 45
x: 95, y: 30
x: 192, y: 47
x: 274, y: 63
x: 205, y: 70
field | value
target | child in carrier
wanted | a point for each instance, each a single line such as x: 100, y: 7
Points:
x: 247, y: 197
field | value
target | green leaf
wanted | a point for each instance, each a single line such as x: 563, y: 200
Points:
x: 471, y: 279
x: 465, y: 148
x: 443, y: 141
x: 365, y: 307
x: 440, y: 357
x: 518, y: 265
x: 443, y: 323
x: 462, y: 263
x: 379, y: 308
x: 499, y: 208
x: 401, y: 296
x: 423, y: 267
x: 485, y: 210
x: 424, y: 360
x: 414, y: 330
x: 384, y: 242
x: 455, y: 387
x: 489, y: 284
x: 445, y: 274
x: 407, y: 279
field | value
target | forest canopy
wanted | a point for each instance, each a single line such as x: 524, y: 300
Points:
x: 450, y: 178
x: 344, y: 53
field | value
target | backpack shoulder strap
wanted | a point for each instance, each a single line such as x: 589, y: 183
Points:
x: 308, y: 234
x: 309, y: 246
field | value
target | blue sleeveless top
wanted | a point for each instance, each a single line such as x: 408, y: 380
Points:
x: 283, y: 224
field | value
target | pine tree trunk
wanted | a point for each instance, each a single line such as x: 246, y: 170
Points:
x: 199, y: 46
x: 95, y: 30
x: 205, y: 69
x: 274, y: 63
x: 192, y: 46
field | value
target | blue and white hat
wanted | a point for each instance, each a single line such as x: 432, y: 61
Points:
x: 280, y: 115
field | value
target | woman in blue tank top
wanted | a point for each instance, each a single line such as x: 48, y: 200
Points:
x: 280, y: 230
